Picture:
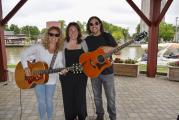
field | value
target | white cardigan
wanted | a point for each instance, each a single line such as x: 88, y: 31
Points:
x: 39, y: 53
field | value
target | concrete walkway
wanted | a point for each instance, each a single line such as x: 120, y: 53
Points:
x: 140, y: 98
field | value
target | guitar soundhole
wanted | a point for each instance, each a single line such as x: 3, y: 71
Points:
x: 101, y: 59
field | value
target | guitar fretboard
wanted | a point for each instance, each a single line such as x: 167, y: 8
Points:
x: 107, y: 55
x: 75, y: 69
x: 137, y: 38
x: 48, y: 71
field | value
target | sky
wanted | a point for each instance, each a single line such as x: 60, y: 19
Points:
x: 117, y: 12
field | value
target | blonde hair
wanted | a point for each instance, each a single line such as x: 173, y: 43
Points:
x: 45, y: 40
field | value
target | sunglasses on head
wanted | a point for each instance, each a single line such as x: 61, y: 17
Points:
x: 52, y: 34
x: 96, y: 23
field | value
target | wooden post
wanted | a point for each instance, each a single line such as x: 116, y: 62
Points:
x: 3, y: 58
x: 153, y: 23
x: 3, y: 22
x: 153, y: 38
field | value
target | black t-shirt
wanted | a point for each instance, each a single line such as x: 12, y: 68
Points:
x: 105, y: 39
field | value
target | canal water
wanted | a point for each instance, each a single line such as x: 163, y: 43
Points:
x: 13, y: 53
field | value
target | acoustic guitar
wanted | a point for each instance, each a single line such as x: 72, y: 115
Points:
x: 39, y: 71
x: 95, y: 62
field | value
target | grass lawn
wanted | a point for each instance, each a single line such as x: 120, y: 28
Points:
x: 11, y: 66
x: 160, y: 68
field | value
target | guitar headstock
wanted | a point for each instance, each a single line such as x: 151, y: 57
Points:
x: 75, y: 68
x: 140, y: 36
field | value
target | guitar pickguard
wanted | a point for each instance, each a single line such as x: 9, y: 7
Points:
x: 34, y: 78
x: 92, y: 64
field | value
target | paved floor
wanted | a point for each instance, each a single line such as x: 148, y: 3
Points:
x: 140, y: 98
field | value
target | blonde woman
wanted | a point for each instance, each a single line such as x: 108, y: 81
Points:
x: 44, y: 51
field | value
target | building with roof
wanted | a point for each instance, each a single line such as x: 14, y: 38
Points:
x: 53, y: 23
x: 14, y: 40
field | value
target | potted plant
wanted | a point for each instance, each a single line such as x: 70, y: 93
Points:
x: 173, y: 71
x: 126, y: 67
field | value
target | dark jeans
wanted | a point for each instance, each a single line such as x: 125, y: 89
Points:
x: 108, y: 83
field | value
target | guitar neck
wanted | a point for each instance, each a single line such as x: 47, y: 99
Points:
x: 48, y: 71
x: 107, y: 55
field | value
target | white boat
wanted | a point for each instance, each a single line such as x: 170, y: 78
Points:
x: 160, y: 46
x: 168, y: 52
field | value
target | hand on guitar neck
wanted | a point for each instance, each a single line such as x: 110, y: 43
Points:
x: 64, y: 71
x: 27, y: 72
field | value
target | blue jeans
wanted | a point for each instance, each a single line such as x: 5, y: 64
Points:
x: 45, y: 95
x: 108, y: 83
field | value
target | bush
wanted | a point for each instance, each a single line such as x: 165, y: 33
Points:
x: 174, y: 64
x: 118, y: 60
x: 127, y: 61
x: 130, y: 61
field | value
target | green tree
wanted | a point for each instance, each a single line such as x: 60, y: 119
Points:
x: 117, y: 31
x: 14, y: 28
x: 82, y: 27
x: 125, y: 33
x: 117, y: 35
x: 43, y: 30
x: 106, y: 26
x: 31, y: 31
x: 6, y: 28
x: 63, y: 25
x: 138, y: 29
x: 166, y: 32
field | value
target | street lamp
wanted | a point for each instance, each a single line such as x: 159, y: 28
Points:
x: 176, y: 36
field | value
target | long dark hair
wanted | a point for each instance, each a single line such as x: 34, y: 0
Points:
x: 88, y: 24
x: 67, y: 38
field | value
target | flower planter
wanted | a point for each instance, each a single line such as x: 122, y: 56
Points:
x: 173, y: 73
x: 124, y: 69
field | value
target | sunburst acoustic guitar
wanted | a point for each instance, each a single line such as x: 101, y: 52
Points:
x: 95, y: 62
x: 39, y: 72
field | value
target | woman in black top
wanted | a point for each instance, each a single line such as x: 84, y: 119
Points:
x: 73, y: 85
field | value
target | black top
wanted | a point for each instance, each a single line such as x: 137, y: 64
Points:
x: 72, y: 57
x: 105, y: 39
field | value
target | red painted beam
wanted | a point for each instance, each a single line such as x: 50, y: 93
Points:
x: 3, y: 60
x: 164, y: 10
x: 139, y: 12
x: 13, y: 12
x: 153, y: 38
